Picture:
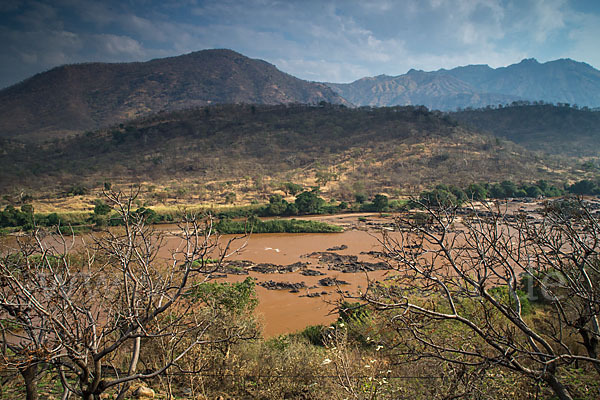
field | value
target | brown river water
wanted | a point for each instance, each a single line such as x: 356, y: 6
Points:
x: 281, y: 311
x: 284, y: 312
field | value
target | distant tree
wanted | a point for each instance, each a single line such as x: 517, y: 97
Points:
x: 27, y: 209
x: 509, y: 188
x: 476, y: 191
x: 584, y: 186
x: 101, y: 208
x: 291, y: 188
x: 323, y: 177
x: 309, y: 202
x: 441, y: 196
x: 534, y: 191
x: 497, y: 191
x: 521, y: 192
x: 78, y: 190
x: 230, y: 198
x: 53, y: 219
x: 360, y: 197
x: 277, y: 205
x: 380, y: 202
x: 460, y: 194
x: 275, y: 198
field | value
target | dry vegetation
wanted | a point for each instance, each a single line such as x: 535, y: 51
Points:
x: 242, y: 154
x: 436, y: 335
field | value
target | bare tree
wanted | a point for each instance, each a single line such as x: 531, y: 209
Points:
x: 457, y: 296
x: 26, y: 341
x: 88, y: 308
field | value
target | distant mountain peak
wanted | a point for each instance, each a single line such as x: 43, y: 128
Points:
x: 529, y: 61
x: 559, y: 81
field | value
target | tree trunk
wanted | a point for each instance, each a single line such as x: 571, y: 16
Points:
x: 591, y: 344
x: 30, y: 376
x: 135, y: 356
x: 559, y: 389
x: 66, y: 394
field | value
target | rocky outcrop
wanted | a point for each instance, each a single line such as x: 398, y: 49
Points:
x: 338, y: 248
x: 266, y: 268
x: 346, y: 263
x: 311, y: 272
x: 332, y: 282
x: 292, y: 286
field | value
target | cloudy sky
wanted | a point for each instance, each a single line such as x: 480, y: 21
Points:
x: 322, y: 40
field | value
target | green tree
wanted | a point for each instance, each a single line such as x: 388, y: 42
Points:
x: 27, y: 209
x: 309, y: 202
x: 497, y: 191
x: 534, y: 191
x: 584, y: 186
x: 291, y: 188
x: 101, y: 208
x: 230, y: 198
x: 360, y: 198
x: 53, y: 219
x: 277, y: 205
x: 441, y: 196
x: 476, y: 191
x: 380, y: 202
x: 509, y: 187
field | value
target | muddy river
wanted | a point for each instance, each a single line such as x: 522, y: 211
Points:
x: 311, y: 301
x: 284, y: 311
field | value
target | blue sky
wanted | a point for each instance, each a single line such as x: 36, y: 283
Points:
x: 336, y: 41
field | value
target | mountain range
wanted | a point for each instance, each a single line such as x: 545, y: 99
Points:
x: 559, y: 81
x: 77, y: 98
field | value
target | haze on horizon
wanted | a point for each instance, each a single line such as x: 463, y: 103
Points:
x: 329, y: 41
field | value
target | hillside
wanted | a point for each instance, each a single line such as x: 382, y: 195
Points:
x: 249, y: 150
x: 76, y: 98
x: 559, y: 81
x: 544, y: 127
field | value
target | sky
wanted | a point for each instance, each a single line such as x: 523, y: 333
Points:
x: 317, y: 40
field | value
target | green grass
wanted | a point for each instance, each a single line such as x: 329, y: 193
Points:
x: 276, y: 226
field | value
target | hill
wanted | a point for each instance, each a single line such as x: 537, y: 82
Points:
x: 76, y: 98
x: 540, y: 127
x: 205, y: 154
x: 559, y: 81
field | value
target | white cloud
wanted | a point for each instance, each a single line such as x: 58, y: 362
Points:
x: 335, y: 40
x: 321, y: 70
x: 114, y: 45
x: 584, y: 38
x: 549, y: 17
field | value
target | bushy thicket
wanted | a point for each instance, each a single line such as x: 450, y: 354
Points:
x: 446, y: 195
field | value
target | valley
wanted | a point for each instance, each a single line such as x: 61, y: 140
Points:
x: 212, y: 227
